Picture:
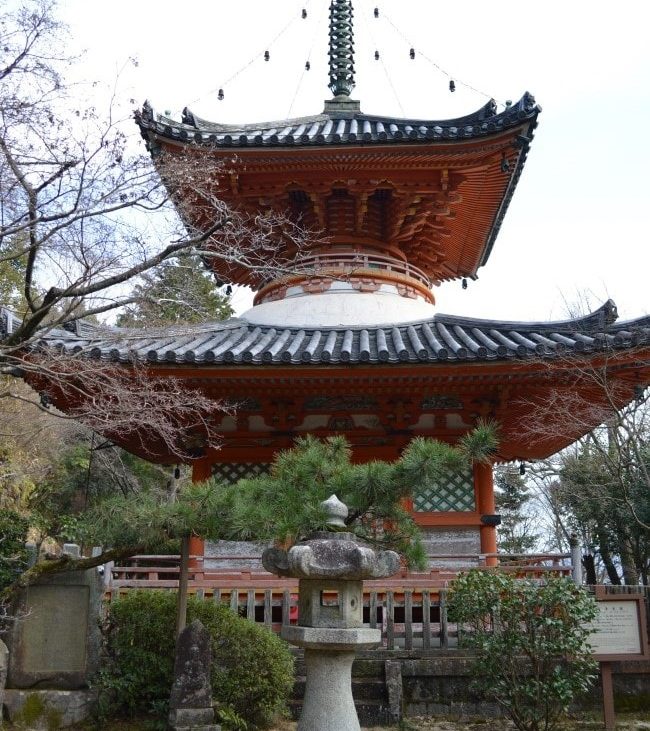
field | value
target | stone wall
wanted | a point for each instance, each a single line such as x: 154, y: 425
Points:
x: 44, y: 710
x: 438, y: 685
x: 441, y: 687
x: 455, y: 541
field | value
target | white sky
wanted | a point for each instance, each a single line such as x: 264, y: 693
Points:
x: 579, y: 221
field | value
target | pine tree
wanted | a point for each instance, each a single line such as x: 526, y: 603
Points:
x: 177, y: 292
x: 285, y: 504
x: 512, y: 495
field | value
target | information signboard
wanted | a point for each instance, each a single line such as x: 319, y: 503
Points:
x: 616, y: 629
x: 619, y: 630
x: 619, y: 633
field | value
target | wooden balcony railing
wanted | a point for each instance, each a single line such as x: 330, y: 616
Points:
x: 411, y: 609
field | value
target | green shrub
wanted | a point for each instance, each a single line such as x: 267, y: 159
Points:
x: 531, y: 643
x: 252, y: 670
x: 13, y: 555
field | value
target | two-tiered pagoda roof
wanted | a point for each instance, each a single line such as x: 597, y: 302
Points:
x: 399, y: 205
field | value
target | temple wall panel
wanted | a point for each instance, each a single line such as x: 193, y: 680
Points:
x: 233, y: 556
x: 258, y: 423
x: 442, y: 542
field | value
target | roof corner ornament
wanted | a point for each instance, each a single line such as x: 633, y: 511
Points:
x: 610, y: 312
x: 341, y: 51
x: 147, y: 111
x: 188, y: 117
x: 529, y: 102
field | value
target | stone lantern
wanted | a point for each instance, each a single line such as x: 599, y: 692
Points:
x: 331, y: 566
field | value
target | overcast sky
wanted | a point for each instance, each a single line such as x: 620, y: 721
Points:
x: 578, y: 224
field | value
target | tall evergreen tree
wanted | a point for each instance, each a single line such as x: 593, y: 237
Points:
x: 177, y: 292
x: 516, y: 534
x: 611, y: 510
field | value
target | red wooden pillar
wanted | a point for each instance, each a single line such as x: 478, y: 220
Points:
x: 201, y: 470
x: 486, y: 506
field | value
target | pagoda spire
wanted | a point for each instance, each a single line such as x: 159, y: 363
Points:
x: 341, y: 51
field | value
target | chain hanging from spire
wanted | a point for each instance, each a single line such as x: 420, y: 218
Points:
x: 341, y: 51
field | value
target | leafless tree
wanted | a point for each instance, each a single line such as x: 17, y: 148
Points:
x: 84, y: 213
x: 157, y: 416
x: 77, y: 196
x: 599, y: 487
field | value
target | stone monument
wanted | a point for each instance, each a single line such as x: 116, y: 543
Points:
x: 190, y: 702
x: 4, y: 661
x: 54, y: 648
x: 331, y: 566
x: 55, y: 642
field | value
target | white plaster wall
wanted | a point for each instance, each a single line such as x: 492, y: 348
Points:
x: 340, y: 309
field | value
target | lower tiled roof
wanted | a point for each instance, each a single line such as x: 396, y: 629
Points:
x: 443, y: 338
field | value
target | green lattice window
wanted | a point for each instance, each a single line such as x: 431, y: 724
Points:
x: 231, y: 472
x: 453, y: 492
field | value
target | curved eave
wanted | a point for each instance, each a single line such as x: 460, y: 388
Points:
x: 440, y: 340
x: 524, y: 145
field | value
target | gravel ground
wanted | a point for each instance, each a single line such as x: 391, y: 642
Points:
x: 624, y: 723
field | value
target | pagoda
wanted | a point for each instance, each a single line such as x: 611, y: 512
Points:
x: 348, y: 339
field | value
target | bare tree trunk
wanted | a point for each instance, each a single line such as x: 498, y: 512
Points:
x: 630, y: 574
x: 181, y: 611
x: 590, y: 569
x: 612, y: 573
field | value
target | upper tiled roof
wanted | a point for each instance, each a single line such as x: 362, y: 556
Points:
x: 443, y: 338
x: 337, y: 127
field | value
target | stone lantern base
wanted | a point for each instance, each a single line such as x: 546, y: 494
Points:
x: 329, y: 653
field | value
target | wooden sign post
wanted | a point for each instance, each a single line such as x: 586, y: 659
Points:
x: 620, y: 633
